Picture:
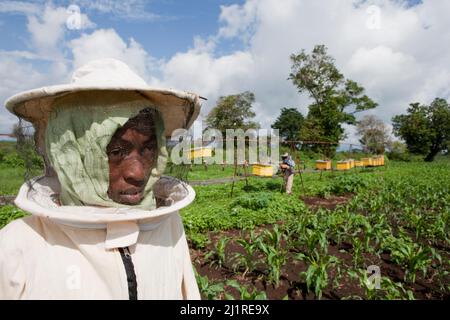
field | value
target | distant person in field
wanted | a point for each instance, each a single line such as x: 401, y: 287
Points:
x: 288, y: 168
x: 104, y: 223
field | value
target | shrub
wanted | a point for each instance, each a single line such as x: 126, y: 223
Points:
x: 198, y: 240
x: 347, y: 183
x: 254, y: 201
x: 273, y: 185
x: 9, y: 213
x: 13, y: 160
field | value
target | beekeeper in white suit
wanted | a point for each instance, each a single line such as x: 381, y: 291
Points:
x: 104, y: 224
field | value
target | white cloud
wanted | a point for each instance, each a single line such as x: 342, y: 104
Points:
x: 47, y: 25
x: 237, y: 20
x: 46, y: 62
x: 19, y: 7
x: 404, y: 59
x: 198, y: 71
x: 18, y: 75
x: 19, y: 70
x: 48, y: 29
x: 106, y: 43
x: 22, y: 54
x: 125, y: 9
x: 385, y: 73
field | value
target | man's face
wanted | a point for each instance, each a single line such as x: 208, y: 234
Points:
x: 131, y: 154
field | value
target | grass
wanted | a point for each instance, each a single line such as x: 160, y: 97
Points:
x: 400, y: 212
x: 198, y: 172
x: 11, y: 180
x: 7, y: 147
x: 11, y: 176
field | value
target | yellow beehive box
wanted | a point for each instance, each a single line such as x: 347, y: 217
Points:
x: 376, y: 162
x: 323, y: 164
x: 359, y: 163
x: 264, y: 170
x: 367, y: 162
x: 381, y: 160
x: 352, y: 163
x: 343, y: 165
x: 199, y: 153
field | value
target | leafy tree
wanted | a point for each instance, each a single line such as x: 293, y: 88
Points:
x: 374, y: 134
x: 398, y: 151
x: 25, y: 154
x: 425, y: 129
x: 289, y: 123
x: 335, y: 99
x: 233, y: 112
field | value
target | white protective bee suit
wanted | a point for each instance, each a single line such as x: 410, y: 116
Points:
x: 96, y: 251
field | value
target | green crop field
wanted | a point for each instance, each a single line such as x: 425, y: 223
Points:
x: 323, y: 241
x: 320, y: 242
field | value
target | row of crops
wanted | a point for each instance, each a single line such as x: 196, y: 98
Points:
x: 264, y: 244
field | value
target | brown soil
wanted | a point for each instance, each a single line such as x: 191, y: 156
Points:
x: 330, y: 202
x: 6, y: 199
x: 292, y: 284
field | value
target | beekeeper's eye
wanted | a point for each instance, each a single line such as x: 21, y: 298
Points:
x: 117, y: 152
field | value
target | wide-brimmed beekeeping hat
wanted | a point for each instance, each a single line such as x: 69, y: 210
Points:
x: 179, y: 109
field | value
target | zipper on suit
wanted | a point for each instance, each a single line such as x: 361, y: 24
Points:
x: 131, y: 275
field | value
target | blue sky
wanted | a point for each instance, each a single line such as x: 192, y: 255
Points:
x: 172, y: 29
x: 396, y: 49
x: 179, y: 22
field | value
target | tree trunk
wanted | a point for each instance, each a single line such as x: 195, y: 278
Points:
x: 430, y: 156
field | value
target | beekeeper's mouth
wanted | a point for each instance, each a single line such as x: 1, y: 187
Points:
x: 131, y: 196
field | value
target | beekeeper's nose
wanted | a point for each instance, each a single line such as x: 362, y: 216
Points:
x: 134, y: 171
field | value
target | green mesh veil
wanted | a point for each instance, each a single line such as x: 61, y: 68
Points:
x: 78, y: 131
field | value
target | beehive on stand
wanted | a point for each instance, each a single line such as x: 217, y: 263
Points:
x: 263, y: 170
x: 367, y: 162
x: 323, y: 164
x: 376, y: 161
x: 343, y: 165
x: 359, y: 164
x: 381, y: 159
x: 352, y: 163
x: 199, y: 153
